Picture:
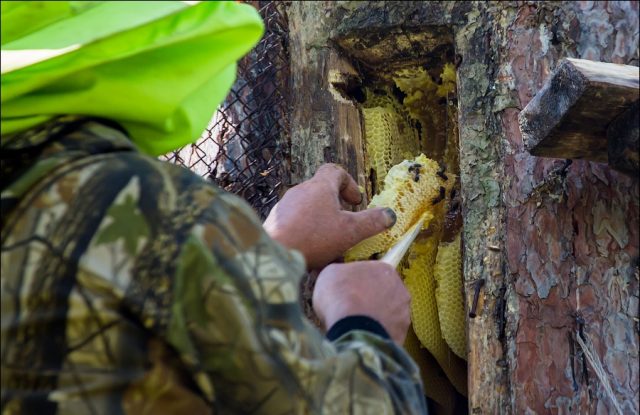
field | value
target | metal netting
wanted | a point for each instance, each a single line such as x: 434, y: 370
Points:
x: 245, y: 149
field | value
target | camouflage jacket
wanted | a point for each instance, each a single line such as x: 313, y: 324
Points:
x: 132, y: 286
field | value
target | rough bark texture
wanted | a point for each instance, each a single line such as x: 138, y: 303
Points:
x: 326, y: 127
x: 572, y: 237
x: 556, y: 242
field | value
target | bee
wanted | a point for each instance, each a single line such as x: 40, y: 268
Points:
x: 440, y: 197
x: 415, y: 170
x: 440, y: 172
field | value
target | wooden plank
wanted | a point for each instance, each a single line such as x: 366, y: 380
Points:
x: 623, y: 140
x: 570, y: 115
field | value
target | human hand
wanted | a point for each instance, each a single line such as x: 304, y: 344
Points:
x: 369, y: 288
x: 309, y: 217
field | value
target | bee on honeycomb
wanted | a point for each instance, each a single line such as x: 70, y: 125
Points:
x: 415, y: 170
x: 410, y: 199
x: 414, y: 188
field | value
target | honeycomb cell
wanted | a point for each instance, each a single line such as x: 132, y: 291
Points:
x: 388, y: 135
x: 411, y: 198
x: 420, y: 282
x: 449, y: 296
x: 410, y: 189
x: 399, y: 122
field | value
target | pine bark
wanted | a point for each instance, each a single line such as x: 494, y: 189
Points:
x: 556, y: 241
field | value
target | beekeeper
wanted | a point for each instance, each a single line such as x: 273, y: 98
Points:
x: 130, y: 285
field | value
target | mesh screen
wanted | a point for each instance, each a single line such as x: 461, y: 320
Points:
x: 245, y: 149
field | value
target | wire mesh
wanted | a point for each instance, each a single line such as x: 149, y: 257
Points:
x: 245, y: 149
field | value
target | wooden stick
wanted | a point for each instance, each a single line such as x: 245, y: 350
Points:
x: 395, y: 254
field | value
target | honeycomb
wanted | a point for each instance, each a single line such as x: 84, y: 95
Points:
x: 381, y: 97
x: 413, y: 188
x: 448, y: 77
x: 410, y: 189
x: 420, y: 282
x: 449, y: 295
x: 390, y: 127
x: 421, y: 91
x: 389, y: 136
x: 395, y: 130
x: 423, y: 104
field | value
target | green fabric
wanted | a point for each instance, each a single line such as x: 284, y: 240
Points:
x: 158, y: 68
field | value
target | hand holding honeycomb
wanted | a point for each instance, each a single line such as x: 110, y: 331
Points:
x: 432, y: 271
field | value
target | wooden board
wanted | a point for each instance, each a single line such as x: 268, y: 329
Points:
x: 570, y: 115
x: 622, y: 140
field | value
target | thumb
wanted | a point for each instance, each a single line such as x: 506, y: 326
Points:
x: 370, y: 222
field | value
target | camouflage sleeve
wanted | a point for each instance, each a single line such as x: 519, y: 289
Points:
x: 134, y: 286
x: 236, y: 312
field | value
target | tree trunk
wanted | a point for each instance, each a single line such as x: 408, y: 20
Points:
x: 556, y: 241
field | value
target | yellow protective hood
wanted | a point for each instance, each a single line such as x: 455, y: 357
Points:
x: 158, y: 68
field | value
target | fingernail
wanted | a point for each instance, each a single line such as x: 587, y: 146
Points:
x: 391, y: 217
